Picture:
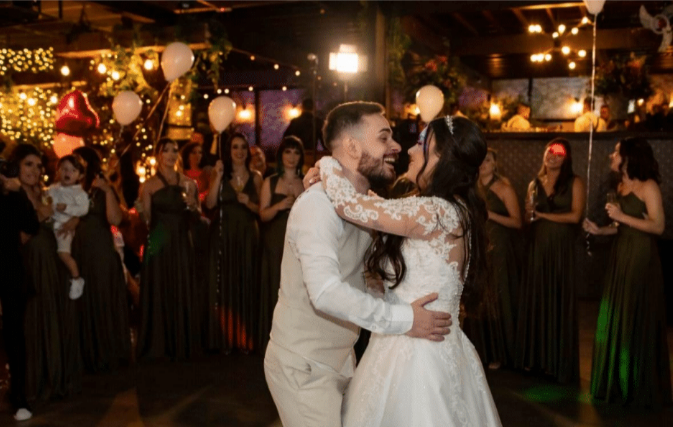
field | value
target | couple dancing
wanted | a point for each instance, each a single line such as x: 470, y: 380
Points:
x: 414, y: 372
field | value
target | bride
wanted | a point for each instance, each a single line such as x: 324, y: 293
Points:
x: 435, y: 243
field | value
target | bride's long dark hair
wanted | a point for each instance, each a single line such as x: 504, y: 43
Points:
x: 461, y: 152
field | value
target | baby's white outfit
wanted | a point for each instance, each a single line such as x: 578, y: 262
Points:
x: 77, y: 204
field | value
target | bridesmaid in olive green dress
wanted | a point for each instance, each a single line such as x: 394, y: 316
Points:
x: 279, y: 192
x: 168, y: 277
x: 547, y: 327
x: 631, y: 360
x: 53, y: 366
x: 104, y: 326
x: 233, y: 267
x: 492, y: 332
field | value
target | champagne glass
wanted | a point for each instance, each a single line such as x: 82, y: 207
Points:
x: 532, y: 202
x: 612, y: 200
x: 187, y: 193
x: 238, y: 184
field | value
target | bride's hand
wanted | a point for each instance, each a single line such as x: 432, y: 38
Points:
x: 311, y: 177
x: 431, y: 325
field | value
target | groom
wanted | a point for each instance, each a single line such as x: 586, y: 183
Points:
x: 322, y: 301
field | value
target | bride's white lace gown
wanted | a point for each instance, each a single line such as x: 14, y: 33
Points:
x: 403, y: 381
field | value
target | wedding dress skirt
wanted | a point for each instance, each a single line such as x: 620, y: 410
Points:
x: 408, y: 382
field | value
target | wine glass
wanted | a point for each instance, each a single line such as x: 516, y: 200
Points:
x: 612, y: 200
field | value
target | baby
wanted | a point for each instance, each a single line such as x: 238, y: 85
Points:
x: 69, y: 200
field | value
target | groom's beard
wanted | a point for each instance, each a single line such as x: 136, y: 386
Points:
x: 375, y: 171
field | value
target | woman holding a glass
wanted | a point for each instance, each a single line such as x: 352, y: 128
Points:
x: 630, y: 359
x: 168, y: 278
x: 547, y: 334
x: 233, y: 268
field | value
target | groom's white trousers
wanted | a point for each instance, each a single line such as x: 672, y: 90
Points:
x: 306, y: 393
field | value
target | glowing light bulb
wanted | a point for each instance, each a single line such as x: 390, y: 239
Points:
x: 547, y: 57
x: 65, y: 70
x: 115, y: 75
x: 226, y: 91
x: 276, y: 66
x: 219, y: 91
x: 31, y: 102
x: 582, y: 53
x: 251, y: 88
x: 284, y: 88
x: 574, y: 31
x: 561, y: 29
x: 555, y: 35
x: 149, y: 65
x: 585, y: 20
x: 252, y: 57
x: 205, y: 96
x: 102, y: 68
x: 297, y: 73
x: 572, y: 65
x: 565, y: 50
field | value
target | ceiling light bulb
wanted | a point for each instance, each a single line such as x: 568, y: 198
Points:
x: 65, y: 70
x: 565, y: 50
x: 574, y: 31
x: 102, y: 68
x: 582, y: 53
x: 561, y: 28
x: 572, y: 65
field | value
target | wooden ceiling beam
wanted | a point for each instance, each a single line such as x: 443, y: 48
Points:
x: 464, y: 22
x: 490, y: 18
x: 423, y: 34
x: 522, y: 18
x: 550, y: 14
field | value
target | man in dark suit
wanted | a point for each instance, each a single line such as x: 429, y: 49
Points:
x: 306, y: 127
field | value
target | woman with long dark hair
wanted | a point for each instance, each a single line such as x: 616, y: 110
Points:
x: 491, y: 328
x: 104, y: 326
x: 548, y: 331
x: 631, y: 361
x: 168, y: 279
x: 233, y: 266
x: 436, y: 243
x: 279, y: 191
x: 54, y: 367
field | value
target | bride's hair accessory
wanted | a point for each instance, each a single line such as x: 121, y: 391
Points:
x: 449, y: 123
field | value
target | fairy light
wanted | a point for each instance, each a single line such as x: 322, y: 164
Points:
x: 26, y: 60
x: 65, y: 70
x: 149, y: 65
x: 102, y: 68
x: 28, y: 116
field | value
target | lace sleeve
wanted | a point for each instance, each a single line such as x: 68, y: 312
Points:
x: 423, y: 218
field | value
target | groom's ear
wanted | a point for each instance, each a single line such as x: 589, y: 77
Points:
x: 352, y: 147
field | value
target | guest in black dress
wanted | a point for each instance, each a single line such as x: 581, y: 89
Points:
x: 548, y: 330
x: 104, y: 326
x: 53, y: 361
x: 233, y: 265
x: 492, y: 329
x: 17, y: 216
x: 279, y: 191
x: 631, y: 361
x: 168, y: 279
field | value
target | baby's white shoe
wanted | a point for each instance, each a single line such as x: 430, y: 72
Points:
x: 76, y: 288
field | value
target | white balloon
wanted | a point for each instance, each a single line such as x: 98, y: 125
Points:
x: 221, y: 112
x: 176, y: 60
x: 594, y: 6
x: 126, y: 107
x: 430, y: 101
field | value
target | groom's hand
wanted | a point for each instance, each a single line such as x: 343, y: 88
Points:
x: 432, y: 325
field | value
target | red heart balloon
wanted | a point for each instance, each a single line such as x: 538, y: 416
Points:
x: 74, y: 115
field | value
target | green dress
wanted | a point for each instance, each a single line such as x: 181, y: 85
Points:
x: 630, y: 360
x: 104, y: 327
x: 547, y: 327
x: 273, y: 240
x: 492, y: 333
x: 167, y: 279
x: 53, y: 365
x: 233, y: 271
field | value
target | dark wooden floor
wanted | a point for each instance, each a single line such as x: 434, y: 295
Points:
x: 220, y: 390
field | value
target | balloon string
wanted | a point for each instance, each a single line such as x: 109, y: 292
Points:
x: 152, y: 110
x: 591, y: 129
x: 163, y: 119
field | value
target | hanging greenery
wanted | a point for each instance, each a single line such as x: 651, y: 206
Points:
x: 397, y: 45
x: 437, y: 70
x: 625, y: 74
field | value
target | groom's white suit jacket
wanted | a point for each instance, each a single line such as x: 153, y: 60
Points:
x: 322, y: 298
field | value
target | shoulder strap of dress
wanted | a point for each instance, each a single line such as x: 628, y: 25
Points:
x: 490, y: 183
x: 162, y: 178
x: 273, y: 182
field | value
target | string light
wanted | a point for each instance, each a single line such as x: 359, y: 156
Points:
x: 26, y: 60
x: 561, y: 29
x: 565, y: 50
x: 250, y: 88
x: 276, y: 66
x: 27, y: 116
x: 574, y: 31
x: 149, y: 65
x: 65, y: 70
x: 226, y: 91
x: 572, y: 65
x: 297, y: 73
x: 102, y: 68
x: 582, y: 53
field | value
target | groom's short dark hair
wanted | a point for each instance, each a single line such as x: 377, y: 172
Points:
x: 345, y: 116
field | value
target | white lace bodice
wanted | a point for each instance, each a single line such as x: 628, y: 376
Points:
x: 428, y: 272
